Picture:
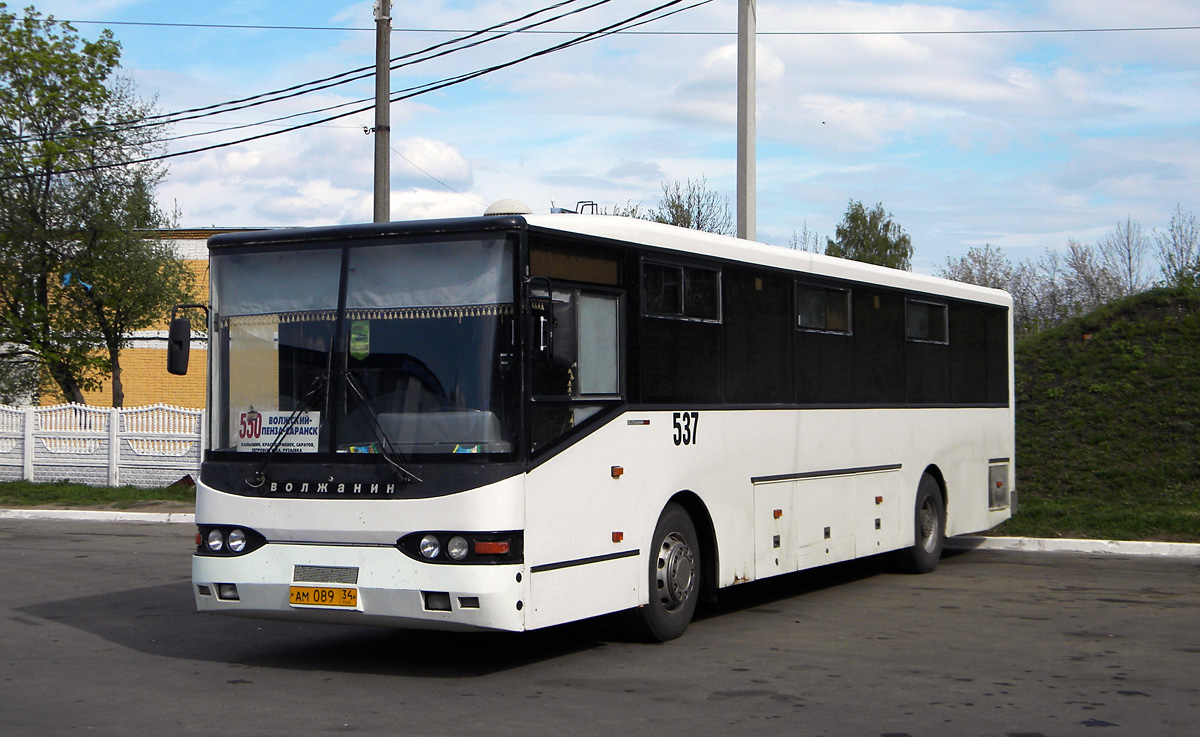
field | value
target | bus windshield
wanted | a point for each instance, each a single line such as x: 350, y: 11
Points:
x: 411, y: 353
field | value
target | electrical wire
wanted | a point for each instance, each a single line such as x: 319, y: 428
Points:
x: 967, y: 32
x: 631, y: 22
x: 323, y: 83
x: 410, y: 92
x: 406, y: 93
x: 397, y: 62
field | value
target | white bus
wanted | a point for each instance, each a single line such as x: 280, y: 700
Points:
x: 514, y: 421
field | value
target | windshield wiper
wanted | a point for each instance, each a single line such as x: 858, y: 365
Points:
x: 381, y: 435
x: 306, y: 402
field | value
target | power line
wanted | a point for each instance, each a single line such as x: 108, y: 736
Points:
x: 962, y: 32
x: 622, y: 27
x: 324, y: 83
x: 631, y: 22
x: 495, y: 33
x: 981, y: 32
x: 397, y: 64
x: 439, y: 181
x: 398, y: 61
x: 417, y: 90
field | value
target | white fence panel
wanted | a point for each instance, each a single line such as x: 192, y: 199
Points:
x: 139, y: 446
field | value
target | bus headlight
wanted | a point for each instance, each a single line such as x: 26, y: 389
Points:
x: 216, y: 540
x: 226, y: 540
x: 236, y: 541
x: 457, y: 548
x: 430, y: 547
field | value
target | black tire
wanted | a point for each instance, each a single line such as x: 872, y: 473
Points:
x: 929, y: 527
x: 674, y: 580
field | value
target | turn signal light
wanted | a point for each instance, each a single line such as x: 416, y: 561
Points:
x: 484, y: 547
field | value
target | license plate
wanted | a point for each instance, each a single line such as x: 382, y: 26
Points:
x: 322, y: 596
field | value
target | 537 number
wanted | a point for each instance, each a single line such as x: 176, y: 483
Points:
x: 685, y: 427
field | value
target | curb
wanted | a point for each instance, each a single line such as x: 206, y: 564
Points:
x: 1104, y: 547
x: 91, y: 515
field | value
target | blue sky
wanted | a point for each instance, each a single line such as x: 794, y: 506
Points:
x: 1019, y: 140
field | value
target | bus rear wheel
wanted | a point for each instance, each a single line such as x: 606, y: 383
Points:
x: 674, y: 580
x: 929, y: 527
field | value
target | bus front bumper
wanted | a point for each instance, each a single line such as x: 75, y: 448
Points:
x: 360, y: 585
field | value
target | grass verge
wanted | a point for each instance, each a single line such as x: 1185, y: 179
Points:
x: 68, y: 494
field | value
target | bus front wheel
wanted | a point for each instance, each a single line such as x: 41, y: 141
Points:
x: 929, y: 525
x: 674, y: 579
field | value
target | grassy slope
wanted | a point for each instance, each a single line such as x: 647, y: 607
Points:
x: 1108, y: 423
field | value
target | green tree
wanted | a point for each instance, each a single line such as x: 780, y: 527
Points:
x: 871, y: 236
x: 74, y: 277
x: 124, y: 284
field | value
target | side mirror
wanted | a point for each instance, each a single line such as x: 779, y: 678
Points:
x: 179, y: 340
x: 179, y: 345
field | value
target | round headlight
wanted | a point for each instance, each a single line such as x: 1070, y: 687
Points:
x: 457, y: 547
x: 430, y: 547
x: 236, y: 541
x: 215, y: 540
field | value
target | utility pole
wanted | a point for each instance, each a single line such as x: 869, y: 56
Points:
x: 383, y: 111
x: 747, y: 204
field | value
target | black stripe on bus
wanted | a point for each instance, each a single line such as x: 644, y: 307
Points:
x: 583, y: 561
x: 824, y: 474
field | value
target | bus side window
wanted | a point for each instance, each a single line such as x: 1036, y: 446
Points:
x: 598, y: 356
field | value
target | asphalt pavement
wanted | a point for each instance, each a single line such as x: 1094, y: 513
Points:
x: 100, y: 637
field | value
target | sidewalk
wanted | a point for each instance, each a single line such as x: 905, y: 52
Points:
x: 966, y: 542
x: 1110, y: 547
x: 174, y: 518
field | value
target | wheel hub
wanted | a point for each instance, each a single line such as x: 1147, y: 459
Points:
x: 676, y: 571
x: 928, y: 525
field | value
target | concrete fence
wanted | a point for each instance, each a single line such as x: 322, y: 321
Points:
x: 138, y: 446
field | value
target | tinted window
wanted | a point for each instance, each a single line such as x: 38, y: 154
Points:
x: 822, y: 308
x: 681, y: 291
x: 702, y: 294
x: 925, y: 321
x: 662, y: 289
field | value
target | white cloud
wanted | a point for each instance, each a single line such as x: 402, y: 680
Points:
x: 1018, y: 140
